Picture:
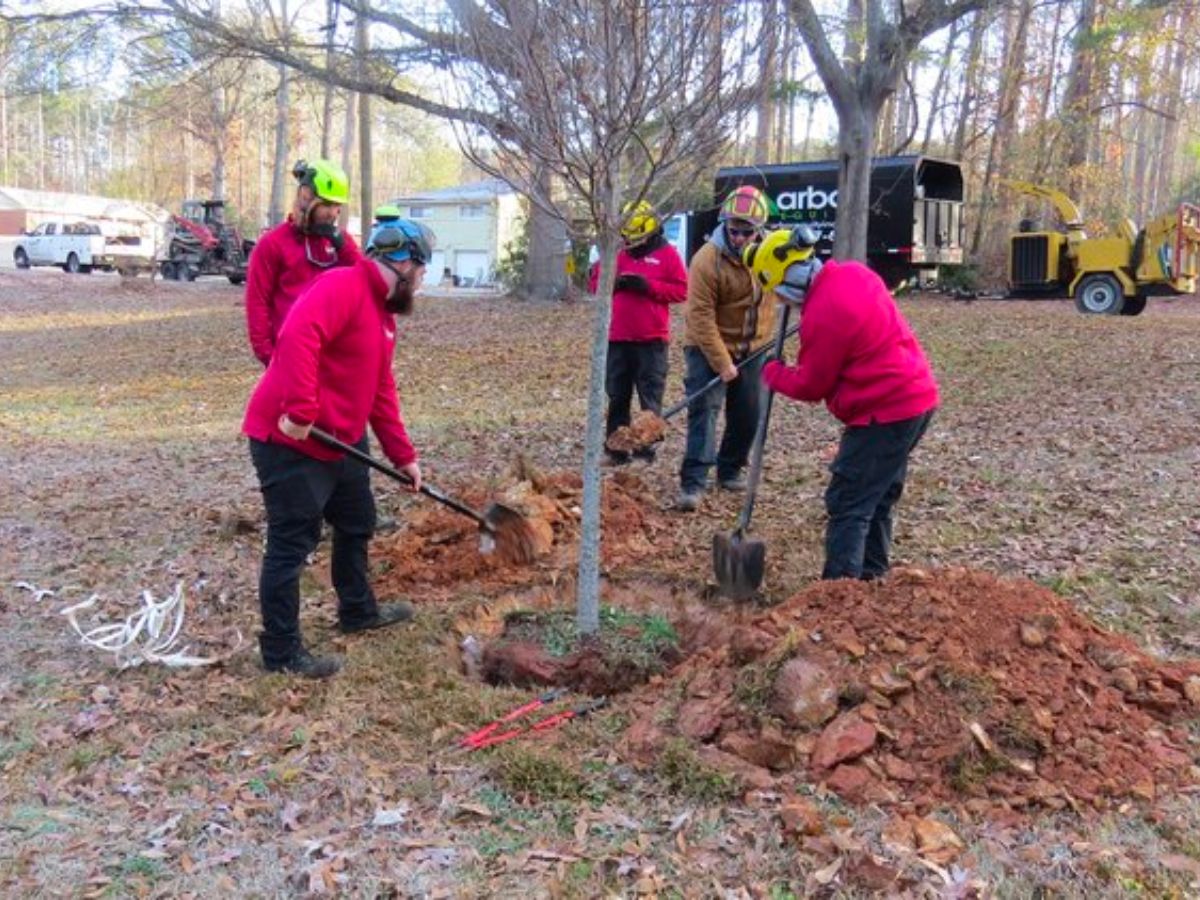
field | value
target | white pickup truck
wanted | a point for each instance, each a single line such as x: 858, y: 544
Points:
x: 82, y: 247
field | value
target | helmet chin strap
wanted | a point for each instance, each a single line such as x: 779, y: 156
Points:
x: 402, y: 281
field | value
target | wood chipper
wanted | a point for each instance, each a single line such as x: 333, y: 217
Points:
x: 1105, y: 275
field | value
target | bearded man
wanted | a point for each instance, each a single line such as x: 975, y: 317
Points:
x: 332, y: 367
x: 288, y: 257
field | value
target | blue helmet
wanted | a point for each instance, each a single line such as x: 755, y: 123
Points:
x: 401, y: 239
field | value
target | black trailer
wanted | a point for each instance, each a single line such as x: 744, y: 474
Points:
x: 916, y: 202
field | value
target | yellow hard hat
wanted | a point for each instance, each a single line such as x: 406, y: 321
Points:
x: 770, y: 258
x: 641, y: 222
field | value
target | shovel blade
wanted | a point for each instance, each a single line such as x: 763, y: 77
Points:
x: 738, y: 564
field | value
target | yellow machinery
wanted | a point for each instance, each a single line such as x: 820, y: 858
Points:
x: 1108, y: 275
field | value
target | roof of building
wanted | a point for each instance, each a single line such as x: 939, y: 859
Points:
x: 80, y: 205
x: 473, y: 192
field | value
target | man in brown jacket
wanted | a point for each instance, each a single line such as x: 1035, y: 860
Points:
x: 727, y: 319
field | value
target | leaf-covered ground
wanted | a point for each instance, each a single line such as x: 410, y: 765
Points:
x: 1066, y: 452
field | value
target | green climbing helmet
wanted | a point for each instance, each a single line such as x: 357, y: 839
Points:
x: 327, y: 179
x: 389, y: 212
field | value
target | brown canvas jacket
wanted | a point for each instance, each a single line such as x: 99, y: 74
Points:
x: 727, y: 315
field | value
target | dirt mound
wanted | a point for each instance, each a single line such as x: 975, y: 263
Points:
x: 929, y: 688
x: 644, y: 431
x: 438, y: 547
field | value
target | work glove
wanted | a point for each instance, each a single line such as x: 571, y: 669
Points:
x: 634, y: 283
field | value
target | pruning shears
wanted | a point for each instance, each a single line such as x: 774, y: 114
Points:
x: 487, y: 736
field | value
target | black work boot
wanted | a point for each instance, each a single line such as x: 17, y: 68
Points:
x: 387, y: 614
x: 304, y: 663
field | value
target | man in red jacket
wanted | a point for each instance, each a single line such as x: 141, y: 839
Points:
x: 650, y: 277
x: 288, y: 257
x: 858, y: 354
x: 332, y: 367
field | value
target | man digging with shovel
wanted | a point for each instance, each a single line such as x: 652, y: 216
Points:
x: 332, y: 366
x: 859, y: 356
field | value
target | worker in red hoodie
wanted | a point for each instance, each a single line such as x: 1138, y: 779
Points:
x: 859, y: 356
x: 332, y: 367
x: 288, y: 257
x: 650, y: 277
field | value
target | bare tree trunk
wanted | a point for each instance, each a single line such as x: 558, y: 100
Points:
x: 939, y: 85
x: 546, y: 275
x: 966, y: 103
x: 276, y: 211
x: 587, y: 597
x: 768, y: 78
x: 362, y: 46
x: 856, y: 148
x: 4, y: 136
x: 1045, y: 145
x: 331, y: 7
x: 1077, y: 117
x: 1173, y: 84
x: 988, y: 224
x: 41, y: 143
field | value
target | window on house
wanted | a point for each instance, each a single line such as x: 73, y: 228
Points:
x: 471, y: 211
x: 420, y: 212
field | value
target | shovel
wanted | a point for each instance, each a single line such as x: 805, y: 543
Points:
x: 739, y: 560
x: 626, y: 440
x: 498, y: 524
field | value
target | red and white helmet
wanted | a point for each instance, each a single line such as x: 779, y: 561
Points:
x: 748, y: 204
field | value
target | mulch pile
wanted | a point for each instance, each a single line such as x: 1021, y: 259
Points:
x: 927, y: 688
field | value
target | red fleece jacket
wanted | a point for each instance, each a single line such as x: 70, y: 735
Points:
x: 278, y: 274
x: 333, y: 366
x: 645, y: 317
x: 857, y: 353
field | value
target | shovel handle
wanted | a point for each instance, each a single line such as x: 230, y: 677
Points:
x: 760, y: 434
x: 367, y: 459
x: 757, y: 354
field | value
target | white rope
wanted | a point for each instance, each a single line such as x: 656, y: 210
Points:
x: 147, y: 636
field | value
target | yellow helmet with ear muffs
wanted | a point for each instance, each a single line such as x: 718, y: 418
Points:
x: 769, y: 259
x: 641, y: 223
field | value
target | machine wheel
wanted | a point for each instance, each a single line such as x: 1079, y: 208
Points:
x: 1100, y: 295
x: 20, y: 258
x: 185, y: 271
x: 237, y: 279
x: 72, y: 264
x: 1134, y: 306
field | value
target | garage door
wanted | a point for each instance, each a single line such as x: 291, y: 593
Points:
x: 472, y: 267
x: 433, y: 271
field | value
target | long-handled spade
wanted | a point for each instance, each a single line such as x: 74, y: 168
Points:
x: 501, y: 527
x: 739, y: 560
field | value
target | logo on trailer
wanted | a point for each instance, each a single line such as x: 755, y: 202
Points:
x: 810, y: 198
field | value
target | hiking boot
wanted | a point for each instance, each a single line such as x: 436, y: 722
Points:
x: 387, y: 614
x: 305, y: 664
x: 736, y: 484
x: 614, y: 460
x: 687, y: 501
x: 386, y: 524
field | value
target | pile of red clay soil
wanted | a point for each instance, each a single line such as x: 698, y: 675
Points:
x: 926, y: 689
x: 437, y: 547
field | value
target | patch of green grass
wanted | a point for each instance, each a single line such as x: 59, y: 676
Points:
x: 969, y: 770
x: 640, y: 638
x: 24, y: 743
x: 84, y: 756
x: 539, y: 774
x: 687, y: 775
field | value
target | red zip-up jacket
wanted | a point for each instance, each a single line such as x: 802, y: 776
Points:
x: 278, y: 274
x: 857, y: 353
x: 332, y: 366
x: 645, y: 317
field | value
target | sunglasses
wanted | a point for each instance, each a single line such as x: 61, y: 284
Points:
x: 740, y: 232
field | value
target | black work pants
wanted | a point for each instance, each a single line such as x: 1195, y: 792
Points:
x: 740, y: 399
x: 868, y: 478
x: 640, y: 365
x: 300, y: 492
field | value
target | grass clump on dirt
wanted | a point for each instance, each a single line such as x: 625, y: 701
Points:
x: 640, y: 638
x: 756, y: 682
x: 687, y: 775
x: 537, y: 774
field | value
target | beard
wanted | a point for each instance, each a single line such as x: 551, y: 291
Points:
x: 400, y: 300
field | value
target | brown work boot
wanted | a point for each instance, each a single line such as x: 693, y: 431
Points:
x: 387, y: 614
